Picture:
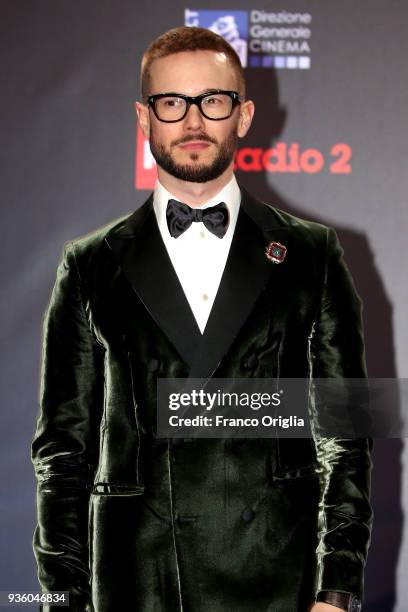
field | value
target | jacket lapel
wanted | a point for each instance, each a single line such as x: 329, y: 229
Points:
x: 246, y: 274
x: 142, y: 256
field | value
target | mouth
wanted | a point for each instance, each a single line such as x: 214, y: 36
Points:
x: 194, y: 145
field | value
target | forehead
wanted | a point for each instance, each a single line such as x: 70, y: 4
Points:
x: 192, y: 72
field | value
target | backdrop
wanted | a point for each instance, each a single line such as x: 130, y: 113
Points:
x: 329, y: 143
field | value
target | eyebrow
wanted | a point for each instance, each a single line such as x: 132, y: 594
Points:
x: 204, y: 91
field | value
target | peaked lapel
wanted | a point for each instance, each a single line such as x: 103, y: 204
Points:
x: 140, y: 251
x: 246, y: 274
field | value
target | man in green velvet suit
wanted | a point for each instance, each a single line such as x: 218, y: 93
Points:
x: 188, y: 286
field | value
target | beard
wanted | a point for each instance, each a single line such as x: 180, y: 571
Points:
x: 196, y: 172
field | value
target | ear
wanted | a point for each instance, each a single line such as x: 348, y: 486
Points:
x: 246, y: 114
x: 142, y: 111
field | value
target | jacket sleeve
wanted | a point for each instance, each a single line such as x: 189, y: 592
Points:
x: 345, y: 514
x: 65, y: 445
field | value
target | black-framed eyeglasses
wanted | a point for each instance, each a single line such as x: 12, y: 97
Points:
x: 215, y: 105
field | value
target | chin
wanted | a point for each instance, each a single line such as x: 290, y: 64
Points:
x: 197, y: 158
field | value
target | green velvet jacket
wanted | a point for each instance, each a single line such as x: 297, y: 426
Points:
x: 131, y: 522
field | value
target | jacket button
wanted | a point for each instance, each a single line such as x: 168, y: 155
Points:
x: 153, y: 365
x: 248, y: 515
x: 250, y: 362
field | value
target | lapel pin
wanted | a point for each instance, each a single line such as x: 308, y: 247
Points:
x: 276, y: 252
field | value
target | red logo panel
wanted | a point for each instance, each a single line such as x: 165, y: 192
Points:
x: 145, y: 166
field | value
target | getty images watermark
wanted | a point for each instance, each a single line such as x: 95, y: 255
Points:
x: 294, y: 408
x: 224, y: 401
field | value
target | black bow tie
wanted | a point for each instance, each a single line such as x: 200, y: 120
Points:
x: 180, y: 216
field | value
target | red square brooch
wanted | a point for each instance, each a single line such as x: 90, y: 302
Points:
x: 276, y: 252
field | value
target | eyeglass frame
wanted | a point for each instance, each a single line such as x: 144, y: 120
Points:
x: 234, y: 95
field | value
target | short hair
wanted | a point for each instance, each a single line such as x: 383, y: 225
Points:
x: 186, y: 38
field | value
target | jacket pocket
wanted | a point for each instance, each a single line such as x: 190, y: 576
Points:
x: 300, y: 472
x: 104, y: 488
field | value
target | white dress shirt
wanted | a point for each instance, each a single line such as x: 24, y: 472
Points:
x: 198, y: 256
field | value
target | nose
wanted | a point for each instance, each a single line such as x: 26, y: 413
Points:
x: 194, y: 120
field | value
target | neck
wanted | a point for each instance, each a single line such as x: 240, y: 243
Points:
x: 194, y: 194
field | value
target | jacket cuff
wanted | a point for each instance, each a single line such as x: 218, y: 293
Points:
x: 345, y: 601
x: 77, y: 603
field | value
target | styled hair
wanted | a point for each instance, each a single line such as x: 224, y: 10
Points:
x: 186, y: 38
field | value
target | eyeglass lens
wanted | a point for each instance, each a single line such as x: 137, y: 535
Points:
x: 214, y: 106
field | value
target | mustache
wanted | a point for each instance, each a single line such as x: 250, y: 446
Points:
x: 190, y: 137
